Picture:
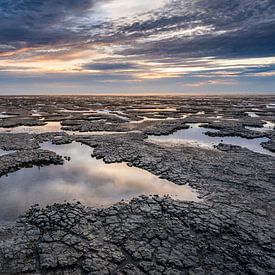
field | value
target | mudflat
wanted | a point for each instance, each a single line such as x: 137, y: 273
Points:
x: 153, y: 185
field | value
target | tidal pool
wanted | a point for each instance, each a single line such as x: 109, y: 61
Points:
x: 3, y: 152
x: 88, y: 111
x: 84, y: 179
x: 195, y: 136
x: 118, y: 114
x: 55, y: 127
x: 252, y: 114
x: 4, y: 116
x: 154, y: 109
x: 268, y: 126
x: 144, y: 118
x: 271, y: 105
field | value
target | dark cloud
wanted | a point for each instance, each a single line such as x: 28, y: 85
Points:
x: 236, y: 28
x: 180, y: 30
x: 251, y: 42
x: 226, y: 14
x: 260, y: 69
x: 109, y: 66
x: 26, y: 23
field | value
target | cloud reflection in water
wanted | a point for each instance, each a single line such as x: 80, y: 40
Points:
x: 84, y: 178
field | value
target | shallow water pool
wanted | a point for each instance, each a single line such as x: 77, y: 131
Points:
x: 268, y: 126
x: 195, y: 136
x: 55, y: 127
x: 3, y: 152
x: 84, y: 179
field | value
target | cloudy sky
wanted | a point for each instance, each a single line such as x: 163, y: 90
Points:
x: 137, y: 46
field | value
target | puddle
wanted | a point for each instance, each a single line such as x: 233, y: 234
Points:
x: 49, y: 127
x: 154, y: 110
x: 3, y: 152
x: 55, y: 127
x: 156, y: 119
x: 252, y: 114
x: 268, y: 126
x: 195, y: 137
x: 216, y: 117
x: 35, y: 113
x: 121, y: 117
x: 3, y: 115
x: 119, y: 114
x: 84, y: 179
x: 271, y: 105
x: 96, y: 104
x: 99, y: 133
x: 233, y: 119
x: 76, y: 111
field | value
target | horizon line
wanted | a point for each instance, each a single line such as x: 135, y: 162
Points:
x: 146, y: 94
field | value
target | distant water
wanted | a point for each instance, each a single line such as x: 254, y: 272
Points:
x: 3, y: 152
x: 271, y: 105
x: 154, y: 109
x: 252, y: 114
x: 268, y: 126
x: 49, y: 127
x: 4, y: 116
x: 195, y: 136
x: 84, y: 179
x: 55, y: 126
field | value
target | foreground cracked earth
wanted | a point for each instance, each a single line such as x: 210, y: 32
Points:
x: 150, y: 235
x: 230, y: 231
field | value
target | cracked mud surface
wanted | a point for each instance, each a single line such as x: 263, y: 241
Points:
x: 230, y: 232
x: 148, y: 236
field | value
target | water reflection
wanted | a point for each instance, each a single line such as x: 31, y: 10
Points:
x: 4, y: 116
x: 83, y: 178
x: 268, y: 126
x: 56, y: 127
x: 88, y: 111
x: 144, y: 118
x: 35, y: 113
x: 271, y: 105
x: 195, y: 136
x: 154, y: 109
x: 3, y: 152
x: 49, y: 127
x: 99, y: 133
x: 252, y: 114
x: 118, y: 114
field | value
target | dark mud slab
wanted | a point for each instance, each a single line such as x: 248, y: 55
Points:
x: 146, y: 236
x: 230, y: 231
x: 25, y: 158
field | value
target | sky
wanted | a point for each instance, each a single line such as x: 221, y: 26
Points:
x: 137, y: 46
